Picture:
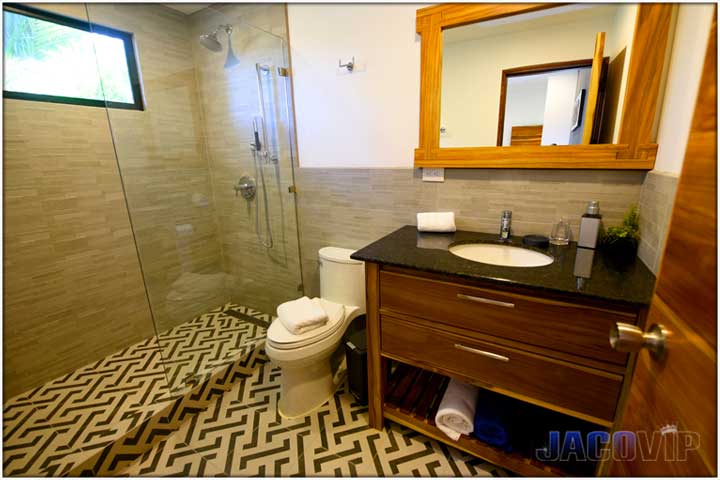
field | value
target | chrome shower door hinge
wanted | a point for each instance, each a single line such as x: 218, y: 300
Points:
x: 283, y: 71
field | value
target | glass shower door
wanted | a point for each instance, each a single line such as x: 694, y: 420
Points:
x: 207, y: 168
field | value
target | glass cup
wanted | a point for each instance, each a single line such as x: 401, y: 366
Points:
x: 560, y: 234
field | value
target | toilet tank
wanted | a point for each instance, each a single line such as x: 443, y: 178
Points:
x: 342, y: 279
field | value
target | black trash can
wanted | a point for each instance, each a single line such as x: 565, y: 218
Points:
x: 356, y: 355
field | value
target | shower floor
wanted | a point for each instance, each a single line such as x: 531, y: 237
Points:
x: 69, y: 422
x: 194, y: 349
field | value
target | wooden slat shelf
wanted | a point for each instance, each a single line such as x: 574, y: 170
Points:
x: 413, y: 397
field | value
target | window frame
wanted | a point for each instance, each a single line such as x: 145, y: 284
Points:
x: 130, y: 57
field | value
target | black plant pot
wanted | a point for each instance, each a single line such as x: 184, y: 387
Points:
x: 620, y: 250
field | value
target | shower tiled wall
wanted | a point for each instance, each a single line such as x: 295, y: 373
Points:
x: 181, y: 158
x: 163, y: 160
x: 257, y: 276
x: 73, y: 290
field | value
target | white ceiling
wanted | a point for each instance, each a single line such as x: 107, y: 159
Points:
x: 187, y: 8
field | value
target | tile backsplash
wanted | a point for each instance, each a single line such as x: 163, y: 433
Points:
x: 656, y: 202
x: 353, y: 207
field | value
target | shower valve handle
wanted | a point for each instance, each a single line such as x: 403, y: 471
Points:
x: 246, y: 187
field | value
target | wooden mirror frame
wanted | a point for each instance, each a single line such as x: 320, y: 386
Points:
x: 634, y: 150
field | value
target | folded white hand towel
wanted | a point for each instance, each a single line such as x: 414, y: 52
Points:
x: 301, y: 315
x: 456, y: 413
x: 436, y: 222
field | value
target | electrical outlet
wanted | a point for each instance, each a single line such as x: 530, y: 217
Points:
x: 433, y: 175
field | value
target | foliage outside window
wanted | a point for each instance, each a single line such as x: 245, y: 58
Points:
x: 59, y: 59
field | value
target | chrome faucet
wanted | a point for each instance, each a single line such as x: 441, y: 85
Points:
x: 505, y: 222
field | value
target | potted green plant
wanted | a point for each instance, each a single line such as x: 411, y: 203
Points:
x: 621, y: 242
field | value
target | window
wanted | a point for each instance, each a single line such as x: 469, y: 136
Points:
x: 53, y: 58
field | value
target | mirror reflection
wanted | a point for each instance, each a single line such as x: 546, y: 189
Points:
x: 527, y: 79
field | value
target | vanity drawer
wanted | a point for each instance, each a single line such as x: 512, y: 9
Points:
x: 529, y: 376
x: 566, y: 327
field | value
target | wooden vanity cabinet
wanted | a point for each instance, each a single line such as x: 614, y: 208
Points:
x: 547, y: 350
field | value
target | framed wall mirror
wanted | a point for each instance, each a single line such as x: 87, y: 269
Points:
x: 541, y: 85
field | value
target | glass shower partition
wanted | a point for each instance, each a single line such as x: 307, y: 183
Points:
x: 207, y: 171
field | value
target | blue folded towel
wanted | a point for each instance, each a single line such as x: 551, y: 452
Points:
x: 493, y: 420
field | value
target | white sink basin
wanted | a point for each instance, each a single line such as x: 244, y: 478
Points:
x: 503, y: 255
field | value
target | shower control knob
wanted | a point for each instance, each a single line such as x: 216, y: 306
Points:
x: 247, y: 188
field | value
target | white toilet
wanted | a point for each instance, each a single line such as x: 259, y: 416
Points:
x: 307, y: 378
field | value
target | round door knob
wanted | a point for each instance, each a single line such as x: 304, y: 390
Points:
x: 629, y: 338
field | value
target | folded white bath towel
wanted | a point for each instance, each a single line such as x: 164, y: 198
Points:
x: 456, y: 413
x: 436, y: 222
x: 302, y: 315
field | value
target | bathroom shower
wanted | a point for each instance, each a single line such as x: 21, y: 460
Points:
x: 264, y: 143
x: 211, y: 42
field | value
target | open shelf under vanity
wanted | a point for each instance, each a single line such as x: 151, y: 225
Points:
x: 413, y: 396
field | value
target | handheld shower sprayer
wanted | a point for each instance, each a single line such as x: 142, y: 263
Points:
x: 256, y: 145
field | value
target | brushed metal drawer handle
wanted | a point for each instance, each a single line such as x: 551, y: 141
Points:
x: 498, y: 303
x: 494, y: 356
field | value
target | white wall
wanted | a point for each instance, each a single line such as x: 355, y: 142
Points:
x: 525, y: 103
x: 559, y: 105
x: 686, y: 62
x: 368, y: 118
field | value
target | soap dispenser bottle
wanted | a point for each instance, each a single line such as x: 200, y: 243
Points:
x: 590, y: 226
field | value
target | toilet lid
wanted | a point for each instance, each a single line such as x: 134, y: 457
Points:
x: 281, y: 338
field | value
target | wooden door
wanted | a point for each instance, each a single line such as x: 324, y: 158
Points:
x: 677, y: 394
x: 594, y: 88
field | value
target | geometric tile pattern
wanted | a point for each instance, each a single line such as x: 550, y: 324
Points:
x: 70, y: 417
x: 242, y: 434
x: 122, y: 405
x: 121, y: 453
x: 214, y: 339
x: 118, y: 417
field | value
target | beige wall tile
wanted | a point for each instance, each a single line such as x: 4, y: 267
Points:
x: 656, y: 202
x: 73, y: 289
x: 351, y: 208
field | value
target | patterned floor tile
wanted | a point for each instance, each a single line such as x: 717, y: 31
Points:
x: 197, y: 347
x: 67, y: 422
x: 245, y: 436
x: 119, y: 417
x: 171, y: 460
x: 80, y: 412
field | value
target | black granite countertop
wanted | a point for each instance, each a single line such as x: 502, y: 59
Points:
x: 595, y: 275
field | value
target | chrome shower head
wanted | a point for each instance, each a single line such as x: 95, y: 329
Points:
x: 211, y: 42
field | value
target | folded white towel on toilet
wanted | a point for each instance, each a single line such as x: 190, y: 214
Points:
x: 302, y: 315
x: 456, y: 413
x: 436, y: 222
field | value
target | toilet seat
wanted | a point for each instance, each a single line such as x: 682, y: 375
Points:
x: 280, y: 338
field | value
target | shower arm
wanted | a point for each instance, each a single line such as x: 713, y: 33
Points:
x: 226, y: 27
